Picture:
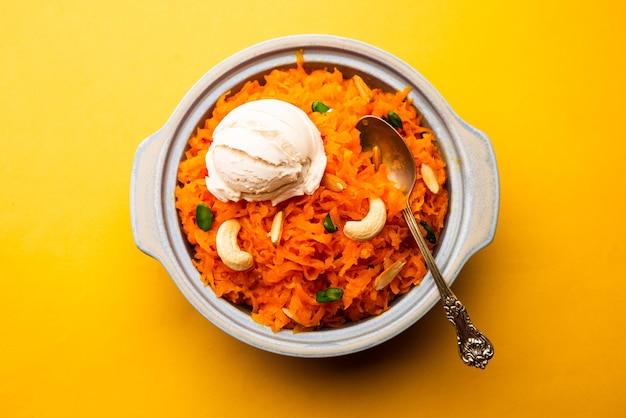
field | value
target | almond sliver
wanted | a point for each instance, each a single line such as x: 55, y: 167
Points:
x: 389, y: 274
x: 277, y: 228
x: 362, y: 87
x: 333, y: 182
x: 428, y: 175
x: 376, y: 157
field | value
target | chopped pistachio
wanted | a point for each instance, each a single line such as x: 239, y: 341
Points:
x: 319, y: 107
x: 329, y: 225
x: 393, y: 119
x: 430, y: 234
x: 204, y: 217
x: 332, y: 294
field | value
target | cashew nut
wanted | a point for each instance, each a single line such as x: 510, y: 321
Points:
x: 227, y: 248
x: 368, y: 227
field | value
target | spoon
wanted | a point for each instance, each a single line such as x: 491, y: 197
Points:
x: 474, y: 348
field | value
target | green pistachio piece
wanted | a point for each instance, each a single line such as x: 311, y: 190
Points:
x: 430, y: 234
x: 204, y: 217
x: 393, y: 119
x: 319, y: 107
x: 329, y: 225
x: 332, y: 294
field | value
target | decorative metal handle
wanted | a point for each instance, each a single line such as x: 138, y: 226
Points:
x: 474, y: 348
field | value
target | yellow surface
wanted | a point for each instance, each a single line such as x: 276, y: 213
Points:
x: 92, y: 327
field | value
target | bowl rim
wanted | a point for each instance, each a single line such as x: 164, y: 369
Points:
x: 467, y: 152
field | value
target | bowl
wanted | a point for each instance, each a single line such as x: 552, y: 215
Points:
x: 473, y: 185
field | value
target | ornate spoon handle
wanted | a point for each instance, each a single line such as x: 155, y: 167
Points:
x: 475, y: 348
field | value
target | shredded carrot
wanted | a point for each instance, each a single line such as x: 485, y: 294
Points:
x: 280, y: 289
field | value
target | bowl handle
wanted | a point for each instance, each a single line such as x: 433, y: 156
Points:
x: 480, y: 173
x: 145, y: 187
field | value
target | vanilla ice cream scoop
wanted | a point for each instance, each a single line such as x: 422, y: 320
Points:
x: 265, y: 150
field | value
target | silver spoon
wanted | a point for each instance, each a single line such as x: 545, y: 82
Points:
x: 475, y: 349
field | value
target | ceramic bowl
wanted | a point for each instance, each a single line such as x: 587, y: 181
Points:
x: 473, y: 185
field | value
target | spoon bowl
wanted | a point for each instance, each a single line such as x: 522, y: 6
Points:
x: 375, y: 132
x: 475, y: 348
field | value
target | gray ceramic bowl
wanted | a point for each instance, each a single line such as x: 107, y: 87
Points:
x: 472, y: 182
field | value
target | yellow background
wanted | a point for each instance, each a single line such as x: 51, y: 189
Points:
x: 92, y: 327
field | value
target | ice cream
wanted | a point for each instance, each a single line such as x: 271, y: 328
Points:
x: 265, y: 150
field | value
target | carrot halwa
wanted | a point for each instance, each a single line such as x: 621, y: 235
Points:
x: 281, y: 287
